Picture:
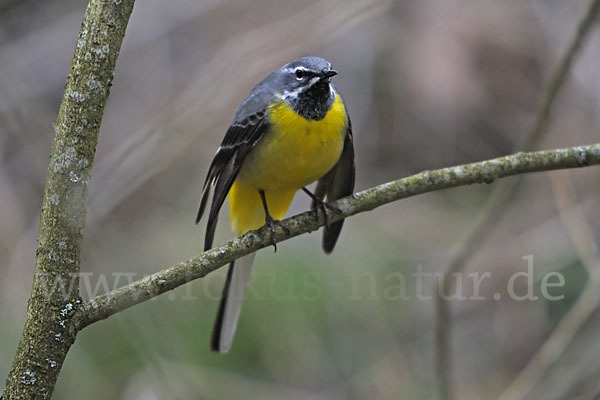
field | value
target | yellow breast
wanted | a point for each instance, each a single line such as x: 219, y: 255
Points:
x: 295, y: 151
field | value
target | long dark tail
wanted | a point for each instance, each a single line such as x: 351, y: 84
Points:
x: 231, y: 304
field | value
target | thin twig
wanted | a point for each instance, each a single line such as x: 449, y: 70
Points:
x: 151, y: 286
x: 494, y: 207
x: 581, y: 236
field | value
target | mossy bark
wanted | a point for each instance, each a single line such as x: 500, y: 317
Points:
x: 49, y: 330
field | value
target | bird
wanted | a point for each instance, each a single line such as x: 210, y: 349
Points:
x: 293, y: 129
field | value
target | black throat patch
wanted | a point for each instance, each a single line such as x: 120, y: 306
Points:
x: 314, y: 102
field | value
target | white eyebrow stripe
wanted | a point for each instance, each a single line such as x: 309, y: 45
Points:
x: 289, y: 69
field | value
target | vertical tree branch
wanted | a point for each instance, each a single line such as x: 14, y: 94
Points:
x: 48, y: 332
x: 493, y: 209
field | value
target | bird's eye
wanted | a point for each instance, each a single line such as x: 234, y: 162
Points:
x: 299, y: 74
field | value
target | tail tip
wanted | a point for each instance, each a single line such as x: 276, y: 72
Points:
x: 217, y: 347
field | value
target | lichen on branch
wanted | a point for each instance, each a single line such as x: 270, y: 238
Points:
x: 488, y: 171
x: 49, y: 331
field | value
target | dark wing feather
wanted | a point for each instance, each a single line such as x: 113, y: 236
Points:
x: 337, y: 183
x: 239, y: 139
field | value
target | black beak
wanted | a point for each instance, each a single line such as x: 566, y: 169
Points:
x: 326, y: 75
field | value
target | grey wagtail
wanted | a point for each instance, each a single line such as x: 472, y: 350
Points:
x: 293, y: 129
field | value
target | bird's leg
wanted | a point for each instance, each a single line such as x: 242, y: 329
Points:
x: 270, y: 222
x: 322, y: 205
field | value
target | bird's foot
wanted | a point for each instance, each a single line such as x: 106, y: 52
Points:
x: 319, y: 204
x: 271, y: 223
x: 324, y: 206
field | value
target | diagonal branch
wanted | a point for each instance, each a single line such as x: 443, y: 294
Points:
x: 105, y: 305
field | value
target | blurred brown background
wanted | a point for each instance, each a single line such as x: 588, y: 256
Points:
x: 429, y: 83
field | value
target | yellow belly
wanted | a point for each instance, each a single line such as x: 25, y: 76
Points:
x: 295, y: 151
x: 246, y: 210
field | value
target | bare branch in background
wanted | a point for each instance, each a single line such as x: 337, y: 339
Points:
x: 494, y: 207
x: 581, y: 236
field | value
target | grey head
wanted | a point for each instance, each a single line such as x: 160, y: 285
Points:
x: 304, y: 84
